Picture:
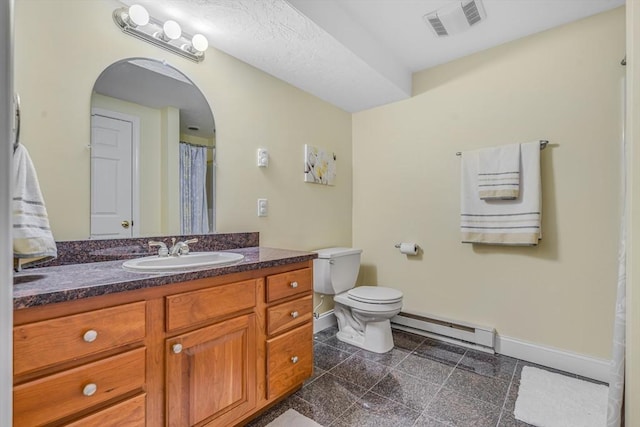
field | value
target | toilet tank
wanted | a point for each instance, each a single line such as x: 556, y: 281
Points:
x: 335, y: 270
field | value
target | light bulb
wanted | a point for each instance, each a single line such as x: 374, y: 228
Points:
x: 200, y: 42
x: 138, y: 15
x: 172, y: 29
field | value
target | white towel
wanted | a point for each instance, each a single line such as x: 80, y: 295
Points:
x: 502, y: 222
x: 499, y: 172
x: 32, y: 238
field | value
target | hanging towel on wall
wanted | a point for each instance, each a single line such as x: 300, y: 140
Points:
x: 499, y: 172
x: 502, y: 222
x: 32, y: 238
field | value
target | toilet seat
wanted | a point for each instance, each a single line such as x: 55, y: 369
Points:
x: 371, y: 299
x: 375, y: 295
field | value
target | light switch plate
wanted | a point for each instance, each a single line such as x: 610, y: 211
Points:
x: 263, y: 157
x: 263, y: 207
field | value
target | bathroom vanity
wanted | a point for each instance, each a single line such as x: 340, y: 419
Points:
x: 95, y: 345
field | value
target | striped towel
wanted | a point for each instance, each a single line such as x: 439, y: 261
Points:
x: 499, y: 172
x: 502, y: 222
x: 32, y: 238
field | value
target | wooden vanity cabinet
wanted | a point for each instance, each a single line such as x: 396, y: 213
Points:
x: 211, y: 370
x: 208, y: 352
x: 289, y: 356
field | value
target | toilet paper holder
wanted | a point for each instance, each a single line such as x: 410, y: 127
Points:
x: 408, y: 248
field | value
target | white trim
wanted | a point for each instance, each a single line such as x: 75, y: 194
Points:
x: 586, y: 366
x: 135, y: 162
x: 6, y: 247
x: 324, y: 321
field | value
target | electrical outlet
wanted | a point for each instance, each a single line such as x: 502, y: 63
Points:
x: 263, y: 207
x: 263, y: 157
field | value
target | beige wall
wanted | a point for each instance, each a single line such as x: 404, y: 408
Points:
x: 632, y: 382
x: 56, y: 66
x: 563, y: 85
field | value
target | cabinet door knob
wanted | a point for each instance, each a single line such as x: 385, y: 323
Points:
x: 294, y: 314
x: 177, y: 348
x: 294, y: 359
x: 90, y: 389
x: 294, y: 284
x: 90, y: 335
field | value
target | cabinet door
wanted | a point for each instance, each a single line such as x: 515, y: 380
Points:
x: 211, y: 373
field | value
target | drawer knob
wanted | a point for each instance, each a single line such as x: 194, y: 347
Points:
x: 294, y: 314
x: 294, y: 284
x: 294, y: 359
x: 90, y: 335
x: 177, y: 348
x: 90, y: 389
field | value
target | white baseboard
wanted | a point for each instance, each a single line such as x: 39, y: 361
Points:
x: 586, y: 366
x: 324, y: 321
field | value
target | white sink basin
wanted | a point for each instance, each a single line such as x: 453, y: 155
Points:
x: 184, y: 262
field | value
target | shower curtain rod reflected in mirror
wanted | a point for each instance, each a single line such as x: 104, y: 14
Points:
x: 208, y: 147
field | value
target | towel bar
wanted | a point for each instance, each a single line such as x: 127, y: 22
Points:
x: 543, y: 144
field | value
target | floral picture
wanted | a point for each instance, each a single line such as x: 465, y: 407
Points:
x: 319, y: 165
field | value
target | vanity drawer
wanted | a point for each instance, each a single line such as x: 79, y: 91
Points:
x: 56, y: 396
x: 191, y: 308
x: 289, y: 314
x: 289, y: 360
x: 130, y: 413
x: 41, y: 344
x: 288, y: 284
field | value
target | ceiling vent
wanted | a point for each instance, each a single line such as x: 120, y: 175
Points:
x: 456, y: 18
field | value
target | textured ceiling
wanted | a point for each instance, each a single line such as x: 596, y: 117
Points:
x: 357, y: 54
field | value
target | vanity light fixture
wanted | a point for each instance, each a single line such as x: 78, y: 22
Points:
x: 135, y: 21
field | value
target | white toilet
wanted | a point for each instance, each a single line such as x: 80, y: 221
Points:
x: 363, y: 312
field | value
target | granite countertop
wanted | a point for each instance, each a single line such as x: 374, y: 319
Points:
x: 47, y: 285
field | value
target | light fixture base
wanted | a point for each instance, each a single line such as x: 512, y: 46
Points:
x: 119, y: 17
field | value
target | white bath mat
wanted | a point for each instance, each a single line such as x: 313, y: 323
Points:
x: 546, y: 399
x: 293, y: 418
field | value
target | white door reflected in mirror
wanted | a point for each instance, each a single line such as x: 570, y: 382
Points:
x: 111, y: 177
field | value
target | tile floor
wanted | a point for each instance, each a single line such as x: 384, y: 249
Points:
x: 421, y: 383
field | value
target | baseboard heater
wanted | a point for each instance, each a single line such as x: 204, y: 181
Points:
x: 461, y: 333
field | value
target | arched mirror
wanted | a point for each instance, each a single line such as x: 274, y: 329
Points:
x: 152, y: 153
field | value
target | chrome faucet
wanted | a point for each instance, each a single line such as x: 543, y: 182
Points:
x: 180, y: 248
x: 163, y: 250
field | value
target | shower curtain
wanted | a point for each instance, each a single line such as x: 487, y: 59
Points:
x: 194, y: 216
x: 616, y: 371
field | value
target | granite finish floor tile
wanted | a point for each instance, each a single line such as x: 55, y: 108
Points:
x: 440, y: 351
x: 331, y: 395
x: 342, y: 346
x: 510, y: 421
x: 325, y: 334
x: 406, y: 389
x: 406, y: 340
x: 489, y: 365
x: 373, y: 410
x: 391, y: 358
x: 424, y: 421
x: 420, y: 383
x: 487, y: 389
x: 425, y: 368
x: 359, y: 371
x: 293, y: 402
x: 457, y: 409
x: 326, y: 357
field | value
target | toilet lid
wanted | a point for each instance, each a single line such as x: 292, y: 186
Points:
x: 375, y: 294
